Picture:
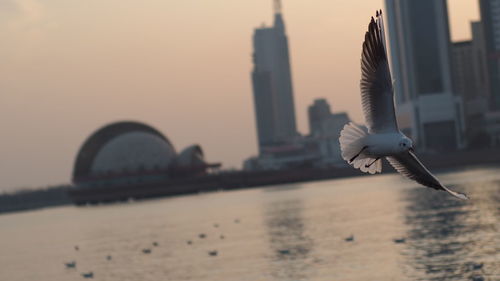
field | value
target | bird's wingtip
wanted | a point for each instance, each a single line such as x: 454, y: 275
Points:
x: 463, y: 196
x: 456, y: 194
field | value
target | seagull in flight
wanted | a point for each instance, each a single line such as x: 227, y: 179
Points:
x: 364, y: 148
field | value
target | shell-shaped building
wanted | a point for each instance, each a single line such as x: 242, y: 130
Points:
x: 130, y: 153
x: 190, y: 156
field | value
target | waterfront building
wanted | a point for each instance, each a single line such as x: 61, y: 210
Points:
x: 320, y: 148
x: 325, y: 128
x: 318, y: 112
x: 490, y: 18
x: 132, y: 153
x: 471, y: 83
x: 428, y: 109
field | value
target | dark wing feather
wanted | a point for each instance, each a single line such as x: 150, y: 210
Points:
x: 409, y: 166
x: 377, y: 95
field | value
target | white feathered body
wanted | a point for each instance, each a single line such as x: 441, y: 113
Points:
x: 363, y: 150
x: 381, y: 145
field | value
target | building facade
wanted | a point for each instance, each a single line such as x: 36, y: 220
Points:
x: 318, y: 112
x: 428, y: 109
x: 272, y: 85
x: 325, y: 128
x: 470, y: 78
x: 321, y: 148
x: 490, y: 18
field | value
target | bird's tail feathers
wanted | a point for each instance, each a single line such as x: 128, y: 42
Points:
x: 351, y: 140
x: 351, y: 146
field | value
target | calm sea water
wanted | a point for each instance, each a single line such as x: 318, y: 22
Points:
x: 289, y: 232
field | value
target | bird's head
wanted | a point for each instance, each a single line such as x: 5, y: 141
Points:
x: 405, y: 144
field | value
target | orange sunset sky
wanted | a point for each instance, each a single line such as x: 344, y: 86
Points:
x: 69, y: 67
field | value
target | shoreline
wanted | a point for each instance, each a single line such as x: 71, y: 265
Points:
x: 66, y: 195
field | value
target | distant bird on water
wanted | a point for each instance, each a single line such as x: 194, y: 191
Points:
x: 364, y: 149
x: 399, y: 240
x: 88, y: 275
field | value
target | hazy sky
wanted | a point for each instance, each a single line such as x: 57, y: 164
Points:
x: 69, y: 67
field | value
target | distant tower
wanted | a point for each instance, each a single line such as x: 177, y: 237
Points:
x: 272, y: 84
x: 318, y: 112
x: 428, y: 110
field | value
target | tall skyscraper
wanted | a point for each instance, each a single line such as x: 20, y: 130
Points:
x: 272, y: 84
x: 490, y: 18
x: 471, y: 81
x: 427, y: 109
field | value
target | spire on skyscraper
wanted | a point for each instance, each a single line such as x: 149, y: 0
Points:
x: 277, y: 7
x: 278, y: 19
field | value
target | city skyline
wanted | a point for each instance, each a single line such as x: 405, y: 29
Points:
x: 68, y: 70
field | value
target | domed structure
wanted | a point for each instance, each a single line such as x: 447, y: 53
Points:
x: 123, y: 149
x: 133, y: 151
x: 127, y: 160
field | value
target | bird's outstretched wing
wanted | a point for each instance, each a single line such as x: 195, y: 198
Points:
x: 409, y: 166
x: 377, y: 95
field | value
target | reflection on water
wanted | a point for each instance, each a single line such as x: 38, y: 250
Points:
x: 282, y: 233
x: 291, y: 247
x: 451, y: 239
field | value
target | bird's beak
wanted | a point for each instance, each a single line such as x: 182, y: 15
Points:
x: 411, y: 149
